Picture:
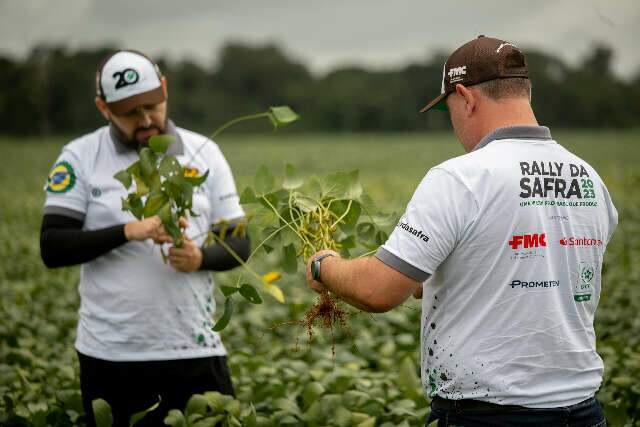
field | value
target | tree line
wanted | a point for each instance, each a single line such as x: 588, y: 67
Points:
x: 52, y: 90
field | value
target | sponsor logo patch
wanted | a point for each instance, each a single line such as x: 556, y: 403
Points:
x: 580, y: 241
x: 404, y: 224
x: 533, y: 284
x: 582, y: 288
x: 528, y: 241
x: 126, y: 77
x: 62, y: 178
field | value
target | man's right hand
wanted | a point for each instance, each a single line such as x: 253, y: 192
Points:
x: 148, y: 228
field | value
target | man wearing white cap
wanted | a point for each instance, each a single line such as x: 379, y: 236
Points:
x: 144, y: 332
x: 506, y: 242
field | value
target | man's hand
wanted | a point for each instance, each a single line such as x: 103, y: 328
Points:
x: 317, y: 286
x: 188, y: 258
x: 163, y: 237
x: 147, y: 228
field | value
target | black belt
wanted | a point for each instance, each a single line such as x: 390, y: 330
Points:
x: 472, y: 405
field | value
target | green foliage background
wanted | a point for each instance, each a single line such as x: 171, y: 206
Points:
x: 373, y: 378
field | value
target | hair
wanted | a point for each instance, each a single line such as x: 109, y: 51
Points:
x: 512, y: 87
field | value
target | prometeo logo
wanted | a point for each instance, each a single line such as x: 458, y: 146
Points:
x: 404, y: 224
x: 580, y: 241
x: 528, y: 240
x: 534, y: 284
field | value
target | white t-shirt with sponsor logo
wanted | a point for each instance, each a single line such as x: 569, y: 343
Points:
x: 510, y: 239
x: 133, y: 306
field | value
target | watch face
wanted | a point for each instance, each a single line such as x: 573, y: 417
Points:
x: 315, y: 269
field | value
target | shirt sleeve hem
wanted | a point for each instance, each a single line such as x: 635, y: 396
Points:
x: 401, y: 265
x: 60, y: 210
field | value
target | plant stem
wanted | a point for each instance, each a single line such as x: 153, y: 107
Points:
x: 304, y: 240
x: 225, y: 126
x: 236, y: 256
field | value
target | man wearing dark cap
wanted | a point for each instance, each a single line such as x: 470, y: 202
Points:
x: 505, y: 246
x: 144, y: 331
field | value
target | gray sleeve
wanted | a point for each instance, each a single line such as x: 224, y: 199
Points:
x: 401, y: 265
x: 59, y: 210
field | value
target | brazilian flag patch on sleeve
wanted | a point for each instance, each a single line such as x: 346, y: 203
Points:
x: 62, y: 178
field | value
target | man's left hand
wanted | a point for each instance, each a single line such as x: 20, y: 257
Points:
x: 317, y: 286
x: 188, y: 258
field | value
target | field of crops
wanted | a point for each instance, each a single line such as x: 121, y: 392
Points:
x: 281, y: 378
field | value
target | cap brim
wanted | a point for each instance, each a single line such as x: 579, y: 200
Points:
x: 437, y: 104
x: 154, y: 96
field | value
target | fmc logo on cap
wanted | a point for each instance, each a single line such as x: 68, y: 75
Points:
x: 129, y: 79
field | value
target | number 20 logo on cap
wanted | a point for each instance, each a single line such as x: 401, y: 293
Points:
x: 126, y: 77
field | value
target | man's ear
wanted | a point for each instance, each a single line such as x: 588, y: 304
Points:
x: 103, y: 108
x: 469, y: 97
x: 164, y: 87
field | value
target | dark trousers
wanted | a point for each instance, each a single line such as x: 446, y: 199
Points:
x: 584, y: 414
x: 130, y: 387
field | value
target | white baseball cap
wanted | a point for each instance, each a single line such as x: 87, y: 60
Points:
x: 128, y: 79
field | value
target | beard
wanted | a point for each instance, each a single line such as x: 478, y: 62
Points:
x: 134, y: 141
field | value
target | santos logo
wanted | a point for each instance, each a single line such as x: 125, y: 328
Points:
x: 528, y: 240
x: 580, y: 241
x: 457, y: 71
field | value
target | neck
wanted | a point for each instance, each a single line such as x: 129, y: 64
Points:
x: 503, y: 113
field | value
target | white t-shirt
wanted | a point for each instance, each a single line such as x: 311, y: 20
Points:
x: 510, y: 239
x: 133, y: 306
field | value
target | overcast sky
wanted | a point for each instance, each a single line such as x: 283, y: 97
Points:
x: 325, y: 33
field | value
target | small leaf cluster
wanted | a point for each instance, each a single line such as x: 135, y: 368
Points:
x: 161, y: 186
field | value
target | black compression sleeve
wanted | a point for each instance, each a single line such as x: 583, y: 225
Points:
x: 63, y: 242
x: 217, y: 258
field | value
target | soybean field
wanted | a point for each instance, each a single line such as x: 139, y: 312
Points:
x: 364, y: 376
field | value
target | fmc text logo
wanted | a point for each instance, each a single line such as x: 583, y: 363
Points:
x: 528, y: 241
x: 457, y: 71
x: 580, y: 241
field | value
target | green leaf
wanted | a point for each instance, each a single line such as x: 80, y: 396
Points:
x: 154, y: 203
x: 250, y: 294
x: 351, y: 216
x: 154, y: 181
x: 133, y: 204
x: 248, y: 196
x: 343, y: 185
x: 175, y: 418
x: 283, y: 115
x: 140, y: 415
x: 134, y: 168
x: 196, y: 181
x: 142, y: 188
x: 147, y: 162
x: 227, y: 291
x: 160, y: 143
x: 226, y: 316
x: 165, y: 213
x: 289, y: 259
x: 292, y: 178
x: 365, y: 231
x: 169, y: 167
x: 124, y: 177
x: 197, y: 404
x: 263, y: 181
x: 381, y: 237
x: 102, y: 413
x: 304, y: 203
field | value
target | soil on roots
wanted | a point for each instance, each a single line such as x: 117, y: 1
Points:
x: 327, y: 314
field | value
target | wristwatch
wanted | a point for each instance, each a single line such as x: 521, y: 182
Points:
x: 315, y: 267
